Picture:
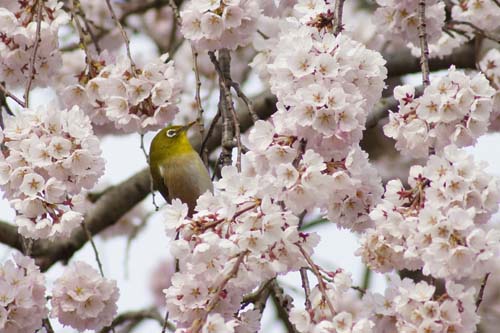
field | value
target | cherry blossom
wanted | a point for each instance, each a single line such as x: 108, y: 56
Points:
x: 50, y: 156
x: 348, y: 315
x: 326, y: 86
x: 454, y: 109
x: 439, y: 224
x: 82, y: 299
x: 490, y: 66
x: 18, y: 38
x: 408, y: 306
x: 140, y: 101
x: 212, y: 25
x: 483, y: 14
x: 251, y: 235
x: 22, y: 295
x: 399, y: 20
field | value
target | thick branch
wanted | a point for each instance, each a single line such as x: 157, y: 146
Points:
x: 9, y: 236
x: 110, y: 207
x: 402, y: 63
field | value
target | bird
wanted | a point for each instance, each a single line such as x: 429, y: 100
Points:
x: 177, y: 170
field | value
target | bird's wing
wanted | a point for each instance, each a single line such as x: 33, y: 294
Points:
x: 158, y: 181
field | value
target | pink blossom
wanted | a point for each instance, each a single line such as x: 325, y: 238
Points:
x: 51, y: 155
x: 82, y: 299
x: 22, y: 296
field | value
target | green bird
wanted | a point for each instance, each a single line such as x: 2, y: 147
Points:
x: 176, y: 168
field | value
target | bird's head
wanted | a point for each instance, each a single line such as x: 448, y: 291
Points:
x: 173, y: 139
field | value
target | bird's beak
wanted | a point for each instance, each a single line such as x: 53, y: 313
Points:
x: 188, y: 126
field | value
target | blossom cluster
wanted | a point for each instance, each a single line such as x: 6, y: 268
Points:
x: 82, y: 299
x: 343, y: 188
x: 18, y: 37
x: 22, y: 296
x: 398, y: 20
x: 240, y: 233
x: 408, y: 306
x: 483, y: 14
x: 212, y: 25
x: 326, y: 85
x: 320, y: 317
x: 490, y: 66
x: 132, y: 99
x: 48, y: 157
x: 454, y: 109
x: 439, y: 224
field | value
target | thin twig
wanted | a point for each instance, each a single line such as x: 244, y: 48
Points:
x: 94, y: 247
x: 198, y: 323
x: 178, y: 22
x: 165, y: 322
x: 133, y: 234
x: 48, y: 326
x: 175, y: 9
x: 237, y: 134
x: 153, y: 194
x: 81, y: 33
x: 246, y: 100
x: 497, y: 2
x: 124, y: 36
x: 76, y: 8
x: 306, y: 287
x: 424, y: 47
x: 10, y: 95
x: 478, y: 30
x: 210, y: 130
x: 367, y: 275
x: 361, y: 291
x: 199, y: 119
x: 319, y: 277
x: 143, y: 148
x: 134, y: 316
x: 38, y: 39
x: 339, y: 8
x: 255, y: 296
x: 481, y: 291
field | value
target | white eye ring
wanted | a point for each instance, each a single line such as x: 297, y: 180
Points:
x: 171, y: 133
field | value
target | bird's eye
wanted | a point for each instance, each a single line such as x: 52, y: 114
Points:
x: 171, y: 133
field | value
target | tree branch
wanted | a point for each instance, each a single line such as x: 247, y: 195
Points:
x: 283, y: 304
x: 134, y: 316
x: 108, y: 209
x: 402, y: 63
x: 424, y: 47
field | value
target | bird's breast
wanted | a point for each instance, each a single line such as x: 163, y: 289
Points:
x: 186, y: 178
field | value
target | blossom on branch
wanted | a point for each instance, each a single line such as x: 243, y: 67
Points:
x: 484, y: 14
x: 454, y: 109
x: 439, y: 224
x: 490, y: 66
x: 409, y: 306
x: 48, y: 157
x: 82, y: 299
x: 19, y: 21
x: 132, y: 102
x: 22, y: 296
x: 326, y: 87
x: 213, y: 25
